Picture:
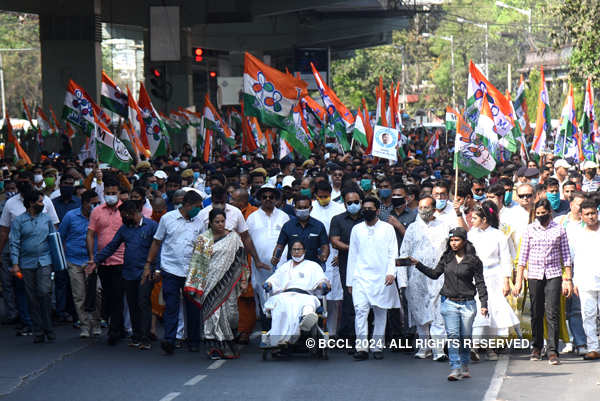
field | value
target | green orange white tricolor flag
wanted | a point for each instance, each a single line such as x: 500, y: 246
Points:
x: 542, y: 121
x: 359, y: 133
x: 44, y: 125
x: 212, y: 121
x: 79, y: 108
x: 112, y: 97
x: 520, y: 107
x: 450, y: 119
x: 269, y: 94
x: 296, y: 133
x: 470, y: 153
x: 13, y: 139
x: 109, y: 149
x: 137, y: 123
x: 155, y: 128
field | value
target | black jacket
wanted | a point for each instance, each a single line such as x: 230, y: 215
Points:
x: 460, y: 279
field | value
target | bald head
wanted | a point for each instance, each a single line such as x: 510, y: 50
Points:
x: 239, y: 198
x: 158, y: 204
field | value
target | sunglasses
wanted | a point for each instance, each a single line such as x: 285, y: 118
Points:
x: 356, y: 202
x: 265, y: 197
x: 478, y: 190
x: 525, y: 196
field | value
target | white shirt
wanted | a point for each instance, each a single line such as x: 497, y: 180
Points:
x: 517, y: 218
x: 492, y: 248
x: 584, y: 247
x: 372, y: 256
x: 448, y: 215
x: 178, y: 236
x: 306, y: 275
x: 264, y: 231
x: 14, y: 207
x: 234, y: 219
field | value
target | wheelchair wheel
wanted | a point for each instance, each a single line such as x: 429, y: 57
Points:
x: 265, y: 354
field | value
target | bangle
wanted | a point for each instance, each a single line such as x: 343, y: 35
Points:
x: 567, y: 279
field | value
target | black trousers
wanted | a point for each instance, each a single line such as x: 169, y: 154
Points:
x: 545, y: 299
x: 140, y: 308
x: 112, y: 291
x: 38, y: 287
x: 346, y: 326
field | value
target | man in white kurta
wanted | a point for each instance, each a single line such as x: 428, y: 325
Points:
x: 425, y: 240
x: 370, y: 274
x: 289, y: 309
x: 264, y: 226
x: 323, y: 209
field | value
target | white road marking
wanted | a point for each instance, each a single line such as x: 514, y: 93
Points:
x: 194, y: 380
x: 216, y: 364
x: 497, y: 378
x: 169, y: 397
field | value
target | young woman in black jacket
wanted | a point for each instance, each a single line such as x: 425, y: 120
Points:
x: 463, y: 277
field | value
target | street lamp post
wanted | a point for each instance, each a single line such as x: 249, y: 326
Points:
x: 482, y: 26
x: 451, y: 40
x: 526, y: 12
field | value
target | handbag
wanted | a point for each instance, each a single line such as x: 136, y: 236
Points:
x: 57, y: 250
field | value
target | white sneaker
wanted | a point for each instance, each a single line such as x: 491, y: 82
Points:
x: 568, y: 347
x: 423, y: 353
x: 439, y: 355
x: 84, y: 333
x: 97, y: 331
x: 581, y: 350
x: 308, y: 321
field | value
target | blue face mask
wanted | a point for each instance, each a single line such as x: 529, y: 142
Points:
x: 534, y: 181
x: 554, y: 199
x: 385, y: 193
x: 353, y: 208
x: 194, y: 212
x: 207, y: 190
x: 507, y: 198
x: 479, y: 198
x: 196, y: 175
x: 365, y: 184
x: 440, y: 204
x: 154, y: 186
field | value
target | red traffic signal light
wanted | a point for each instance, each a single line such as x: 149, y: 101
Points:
x: 212, y: 74
x: 198, y: 51
x: 156, y: 72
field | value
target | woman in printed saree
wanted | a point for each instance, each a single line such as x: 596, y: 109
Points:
x: 213, y: 284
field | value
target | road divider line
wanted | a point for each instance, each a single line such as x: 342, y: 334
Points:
x: 194, y: 380
x: 169, y: 397
x: 216, y: 364
x: 497, y: 378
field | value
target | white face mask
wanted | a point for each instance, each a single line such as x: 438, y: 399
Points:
x: 38, y: 178
x: 111, y: 199
x: 87, y: 171
x: 298, y: 259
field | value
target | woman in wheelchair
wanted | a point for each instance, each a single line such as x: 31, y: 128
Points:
x: 293, y: 302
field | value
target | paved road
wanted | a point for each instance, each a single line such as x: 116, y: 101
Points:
x: 82, y: 370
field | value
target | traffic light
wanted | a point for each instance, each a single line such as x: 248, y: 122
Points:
x: 212, y: 74
x: 198, y: 53
x: 159, y: 87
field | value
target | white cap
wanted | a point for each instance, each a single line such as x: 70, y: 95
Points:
x: 161, y: 175
x: 287, y: 181
x: 104, y: 166
x: 562, y: 163
x: 588, y: 164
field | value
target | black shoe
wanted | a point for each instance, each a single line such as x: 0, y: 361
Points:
x: 51, y: 336
x: 167, y: 347
x: 378, y: 355
x: 361, y: 356
x: 113, y: 340
x: 25, y: 331
x: 38, y: 339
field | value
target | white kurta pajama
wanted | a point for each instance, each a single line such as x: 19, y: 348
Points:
x: 372, y: 256
x: 492, y: 248
x: 287, y: 308
x: 324, y: 214
x: 426, y: 242
x: 264, y: 231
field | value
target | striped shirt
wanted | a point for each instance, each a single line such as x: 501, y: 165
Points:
x: 544, y: 250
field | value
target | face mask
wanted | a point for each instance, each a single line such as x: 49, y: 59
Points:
x: 66, y: 191
x: 385, y: 193
x: 305, y: 192
x: 426, y: 214
x: 534, y: 181
x: 37, y: 209
x: 93, y: 206
x: 194, y: 212
x: 365, y: 184
x: 10, y: 194
x: 369, y: 214
x: 324, y: 201
x: 353, y: 208
x: 111, y: 200
x: 507, y: 198
x: 298, y: 259
x: 49, y: 181
x: 440, y: 204
x: 1, y: 185
x: 87, y: 171
x: 196, y: 175
x: 38, y: 178
x: 544, y: 219
x: 398, y: 201
x: 153, y: 186
x: 24, y: 186
x: 207, y: 190
x: 177, y: 206
x: 183, y: 165
x: 303, y: 214
x: 128, y: 222
x: 554, y: 199
x: 479, y: 198
x: 157, y: 215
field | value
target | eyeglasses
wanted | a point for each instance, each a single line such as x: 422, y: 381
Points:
x: 525, y: 196
x: 265, y: 197
x: 356, y: 202
x: 478, y: 190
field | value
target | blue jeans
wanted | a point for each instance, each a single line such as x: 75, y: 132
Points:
x: 172, y: 286
x: 575, y: 320
x: 458, y: 318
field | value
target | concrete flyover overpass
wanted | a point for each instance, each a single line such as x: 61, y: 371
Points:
x: 70, y: 34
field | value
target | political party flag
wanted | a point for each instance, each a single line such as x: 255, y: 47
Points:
x: 520, y: 108
x: 79, y: 108
x: 10, y: 137
x: 109, y: 149
x: 485, y: 127
x: 566, y: 142
x: 44, y: 125
x: 137, y: 123
x: 434, y: 145
x: 470, y: 153
x: 112, y: 97
x: 589, y: 125
x: 359, y: 133
x: 296, y: 133
x: 450, y: 119
x: 155, y: 127
x: 542, y: 122
x: 55, y: 123
x: 213, y: 121
x: 380, y: 117
x: 269, y: 94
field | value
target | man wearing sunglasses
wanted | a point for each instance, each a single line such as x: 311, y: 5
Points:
x: 518, y: 217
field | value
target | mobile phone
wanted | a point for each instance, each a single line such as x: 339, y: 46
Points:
x: 403, y: 262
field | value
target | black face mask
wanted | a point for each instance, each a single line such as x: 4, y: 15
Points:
x: 169, y: 194
x: 368, y: 214
x: 128, y: 222
x: 544, y: 219
x: 24, y: 187
x: 397, y: 202
x: 66, y: 191
x: 37, y: 209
